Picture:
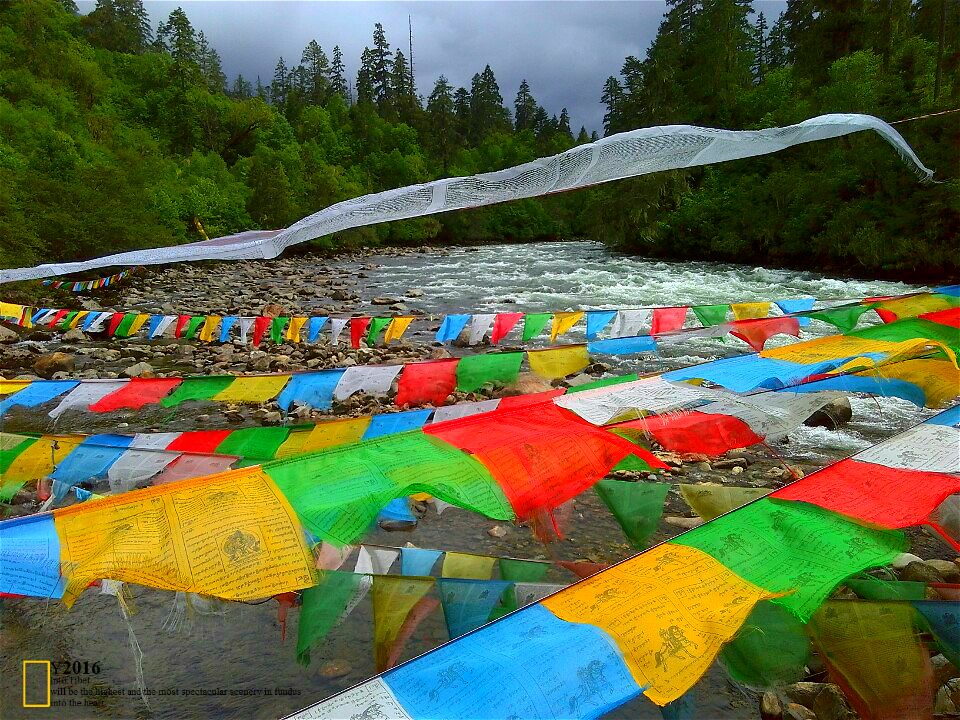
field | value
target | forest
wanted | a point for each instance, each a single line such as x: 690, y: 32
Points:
x: 116, y: 136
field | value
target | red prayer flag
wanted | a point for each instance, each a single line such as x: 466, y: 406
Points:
x: 582, y: 569
x: 668, y: 319
x: 182, y: 322
x: 136, y: 393
x: 756, y: 332
x: 540, y: 455
x: 199, y: 441
x: 503, y: 324
x: 115, y: 321
x: 59, y: 315
x: 515, y: 401
x: 886, y: 315
x: 260, y: 326
x: 950, y: 316
x: 358, y: 330
x: 886, y: 496
x: 697, y: 432
x: 427, y: 383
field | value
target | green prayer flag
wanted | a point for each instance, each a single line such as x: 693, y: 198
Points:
x: 197, y: 388
x: 277, y: 327
x: 192, y: 326
x: 794, y: 547
x: 10, y: 486
x: 842, y: 318
x: 533, y: 324
x: 322, y: 607
x: 632, y: 462
x: 65, y: 323
x: 123, y: 329
x: 603, y: 382
x: 523, y: 570
x: 475, y: 370
x: 912, y: 328
x: 710, y: 315
x: 377, y: 326
x: 637, y: 506
x: 254, y: 443
x: 338, y: 492
x: 871, y: 588
x: 709, y: 500
x: 770, y: 650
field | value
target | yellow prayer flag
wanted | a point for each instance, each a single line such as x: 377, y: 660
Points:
x: 78, y: 317
x: 750, y: 311
x: 471, y: 567
x: 138, y: 322
x: 39, y: 460
x: 669, y: 610
x: 710, y: 500
x: 914, y: 305
x: 830, y: 348
x: 393, y: 599
x: 8, y: 387
x: 294, y: 443
x: 294, y: 327
x: 336, y: 432
x: 252, y: 389
x: 11, y: 310
x: 563, y: 321
x: 939, y: 379
x: 397, y: 327
x: 558, y: 362
x: 210, y: 323
x: 232, y: 535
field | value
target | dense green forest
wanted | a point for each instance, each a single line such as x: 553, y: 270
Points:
x: 115, y: 136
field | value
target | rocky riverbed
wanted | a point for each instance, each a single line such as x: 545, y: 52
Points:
x: 237, y: 646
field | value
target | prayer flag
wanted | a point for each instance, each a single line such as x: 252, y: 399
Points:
x: 533, y: 324
x: 371, y: 379
x: 210, y: 323
x: 562, y: 322
x: 451, y: 327
x: 710, y: 500
x: 668, y: 319
x: 135, y: 394
x: 637, y: 506
x: 277, y: 327
x: 417, y: 561
x: 558, y: 362
x: 479, y: 326
x: 751, y: 310
x: 397, y: 327
x: 294, y: 328
x: 375, y: 327
x: 427, y: 383
x: 311, y: 389
x: 358, y: 328
x: 468, y: 603
x: 597, y: 320
x: 475, y: 370
x: 710, y: 315
x: 393, y: 599
x: 770, y: 650
x: 197, y: 388
x: 465, y: 566
x: 256, y: 389
x: 323, y: 607
x: 316, y: 324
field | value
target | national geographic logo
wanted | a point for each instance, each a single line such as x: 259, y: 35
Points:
x: 36, y: 683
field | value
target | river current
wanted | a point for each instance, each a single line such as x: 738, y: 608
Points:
x: 222, y: 660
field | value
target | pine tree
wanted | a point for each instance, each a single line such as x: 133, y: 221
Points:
x: 758, y: 44
x: 443, y: 121
x: 280, y: 84
x: 338, y: 74
x: 242, y: 89
x: 540, y: 124
x: 524, y: 106
x: 487, y: 113
x: 594, y: 136
x: 119, y: 25
x: 582, y: 136
x: 210, y: 67
x: 461, y: 109
x: 262, y: 92
x: 70, y: 6
x: 777, y: 50
x: 612, y: 97
x: 563, y: 124
x: 366, y: 92
x: 400, y: 78
x: 178, y: 38
x: 380, y: 62
x: 317, y: 69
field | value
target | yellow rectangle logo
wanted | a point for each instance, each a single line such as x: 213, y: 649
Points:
x: 35, y: 662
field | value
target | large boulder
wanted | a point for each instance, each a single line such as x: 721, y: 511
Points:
x: 832, y: 415
x: 7, y: 335
x: 525, y: 384
x: 47, y: 365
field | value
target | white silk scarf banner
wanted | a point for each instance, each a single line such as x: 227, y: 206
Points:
x: 479, y: 326
x: 86, y: 394
x: 371, y: 379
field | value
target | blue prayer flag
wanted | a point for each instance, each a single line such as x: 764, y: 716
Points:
x: 313, y: 329
x: 597, y: 320
x: 389, y: 423
x: 37, y: 393
x: 312, y: 389
x: 89, y: 460
x: 30, y: 557
x: 451, y: 327
x: 417, y: 561
x: 798, y: 305
x: 623, y: 346
x: 225, y: 325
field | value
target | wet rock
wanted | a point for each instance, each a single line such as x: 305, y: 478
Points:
x: 140, y: 369
x: 736, y: 470
x: 74, y: 335
x: 47, y: 365
x: 414, y: 292
x: 943, y: 704
x: 341, y: 295
x: 943, y: 669
x: 524, y: 384
x: 581, y: 379
x: 921, y: 572
x: 949, y: 570
x: 14, y: 358
x: 832, y: 415
x: 272, y: 310
x: 825, y: 699
x: 770, y: 707
x: 683, y: 522
x: 7, y: 335
x: 793, y: 711
x: 904, y: 559
x: 497, y: 532
x: 705, y: 466
x: 729, y: 463
x: 384, y: 301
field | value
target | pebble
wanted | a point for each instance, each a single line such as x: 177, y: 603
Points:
x: 140, y: 369
x: 335, y: 669
x: 497, y: 531
x: 770, y: 706
x: 921, y: 571
x: 948, y: 569
x: 683, y: 522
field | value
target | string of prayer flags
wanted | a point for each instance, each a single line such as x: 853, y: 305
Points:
x: 504, y: 323
x: 85, y: 285
x: 637, y: 506
x: 467, y: 567
x: 873, y: 652
x: 668, y: 319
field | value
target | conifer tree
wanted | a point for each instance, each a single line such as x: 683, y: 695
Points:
x: 524, y: 107
x: 338, y: 74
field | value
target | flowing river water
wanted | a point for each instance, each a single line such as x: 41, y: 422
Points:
x: 227, y: 660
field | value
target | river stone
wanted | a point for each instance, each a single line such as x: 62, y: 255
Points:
x: 73, y: 335
x: 7, y: 335
x: 904, y: 559
x: 140, y: 369
x: 793, y: 711
x: 384, y: 301
x: 272, y: 310
x: 770, y: 706
x: 729, y: 463
x: 524, y: 384
x: 686, y: 523
x: 832, y: 415
x: 414, y: 292
x: 497, y: 532
x: 47, y: 365
x: 335, y: 669
x: 948, y: 569
x: 921, y: 572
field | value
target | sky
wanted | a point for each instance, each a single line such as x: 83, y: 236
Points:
x: 565, y: 49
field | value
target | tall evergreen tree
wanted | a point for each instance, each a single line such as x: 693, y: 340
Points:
x: 242, y: 89
x: 777, y: 50
x: 487, y: 113
x: 317, y: 69
x: 119, y: 25
x: 177, y: 37
x: 524, y: 107
x: 262, y: 92
x: 366, y: 91
x: 280, y: 84
x: 612, y: 97
x: 338, y: 74
x: 443, y: 122
x: 563, y: 124
x: 461, y: 109
x: 582, y: 136
x: 380, y: 62
x: 211, y: 69
x: 758, y: 45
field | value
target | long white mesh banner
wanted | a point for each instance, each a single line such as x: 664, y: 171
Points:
x: 624, y: 155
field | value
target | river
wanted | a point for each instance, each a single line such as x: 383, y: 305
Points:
x: 236, y: 647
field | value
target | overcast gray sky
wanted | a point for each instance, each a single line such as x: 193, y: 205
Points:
x: 565, y: 49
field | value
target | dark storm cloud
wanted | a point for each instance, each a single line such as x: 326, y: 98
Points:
x: 565, y: 50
